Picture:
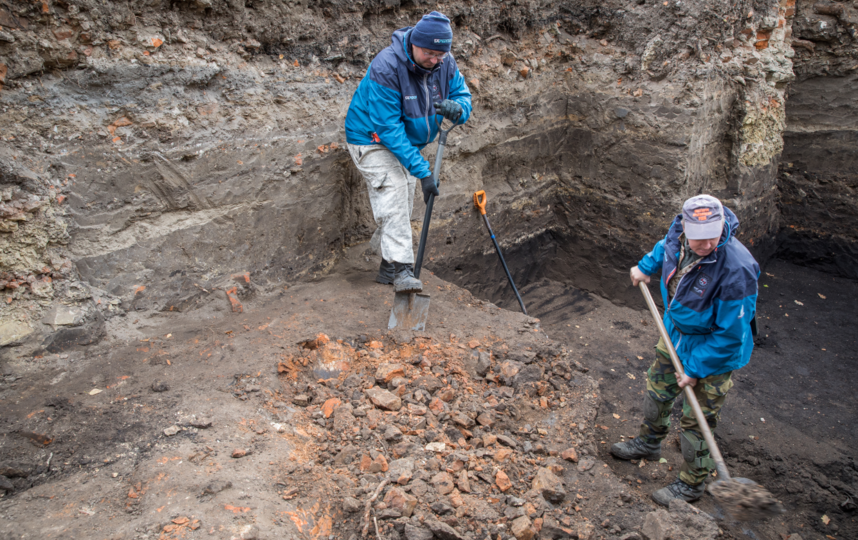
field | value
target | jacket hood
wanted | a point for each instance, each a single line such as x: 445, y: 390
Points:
x: 400, y: 41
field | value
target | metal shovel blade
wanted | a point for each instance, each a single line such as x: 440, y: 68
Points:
x: 410, y: 311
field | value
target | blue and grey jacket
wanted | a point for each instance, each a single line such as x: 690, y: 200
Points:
x: 709, y: 318
x: 393, y: 104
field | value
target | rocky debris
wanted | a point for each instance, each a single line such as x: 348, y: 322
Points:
x: 172, y: 430
x: 383, y: 399
x: 301, y: 400
x: 681, y: 522
x: 551, y: 487
x: 522, y: 528
x: 465, y: 455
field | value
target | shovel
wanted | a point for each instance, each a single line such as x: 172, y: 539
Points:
x: 480, y: 204
x: 744, y: 499
x: 410, y: 310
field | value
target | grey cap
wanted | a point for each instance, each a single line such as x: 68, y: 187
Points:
x: 703, y: 217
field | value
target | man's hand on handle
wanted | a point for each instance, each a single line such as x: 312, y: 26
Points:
x: 429, y: 187
x: 638, y: 276
x: 685, y: 380
x: 449, y: 109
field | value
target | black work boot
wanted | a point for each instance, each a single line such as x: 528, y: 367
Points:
x: 404, y: 281
x: 636, y: 448
x: 678, y: 490
x: 386, y: 273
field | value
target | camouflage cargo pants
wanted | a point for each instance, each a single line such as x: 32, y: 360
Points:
x: 662, y: 389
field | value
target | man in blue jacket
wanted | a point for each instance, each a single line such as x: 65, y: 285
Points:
x: 391, y: 118
x: 709, y: 287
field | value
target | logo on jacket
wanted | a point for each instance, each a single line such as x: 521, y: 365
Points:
x: 410, y: 97
x: 700, y: 284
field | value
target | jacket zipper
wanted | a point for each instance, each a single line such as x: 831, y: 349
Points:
x: 428, y: 127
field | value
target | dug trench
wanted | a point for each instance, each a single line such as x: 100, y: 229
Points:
x: 787, y: 420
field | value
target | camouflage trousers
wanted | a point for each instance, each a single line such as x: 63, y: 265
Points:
x: 661, y: 391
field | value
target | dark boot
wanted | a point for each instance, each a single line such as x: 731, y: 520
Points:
x: 386, y: 273
x: 636, y: 448
x: 678, y: 490
x: 405, y: 280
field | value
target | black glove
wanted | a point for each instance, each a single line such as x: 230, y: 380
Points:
x: 429, y: 187
x: 449, y: 109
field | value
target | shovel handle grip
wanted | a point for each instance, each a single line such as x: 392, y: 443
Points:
x: 480, y: 201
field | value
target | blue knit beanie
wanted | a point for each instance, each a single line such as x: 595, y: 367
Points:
x: 433, y: 32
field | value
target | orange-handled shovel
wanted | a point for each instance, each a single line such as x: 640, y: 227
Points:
x: 480, y: 204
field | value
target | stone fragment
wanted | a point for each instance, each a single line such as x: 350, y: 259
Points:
x: 681, y: 522
x: 392, y: 434
x: 401, y: 470
x: 485, y: 419
x: 379, y: 464
x: 446, y: 395
x: 502, y: 454
x: 172, y: 430
x: 502, y: 480
x: 239, y: 453
x: 365, y: 463
x: 383, y: 399
x: 569, y: 455
x: 201, y: 423
x: 585, y: 464
x: 507, y: 441
x: 329, y: 406
x: 413, y: 532
x: 301, y: 400
x: 528, y: 374
x: 462, y: 482
x: 351, y: 505
x: 551, y: 487
x: 417, y: 410
x: 429, y: 383
x: 443, y: 482
x: 522, y: 528
x: 437, y: 406
x: 436, y: 447
x: 484, y: 364
x: 61, y: 315
x: 160, y: 386
x: 489, y: 439
x: 442, y: 531
x: 398, y: 500
x: 508, y: 371
x: 456, y: 499
x: 586, y: 531
x: 12, y: 331
x: 388, y: 372
x: 462, y: 419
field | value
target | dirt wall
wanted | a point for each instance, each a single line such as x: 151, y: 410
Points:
x: 182, y: 143
x: 819, y: 167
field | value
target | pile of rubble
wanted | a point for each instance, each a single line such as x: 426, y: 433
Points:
x: 449, y: 440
